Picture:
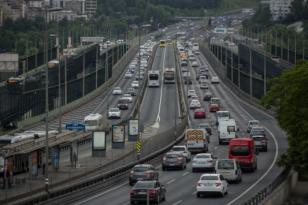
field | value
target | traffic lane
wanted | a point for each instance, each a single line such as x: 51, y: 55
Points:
x: 119, y: 195
x: 265, y: 160
x: 169, y: 114
x: 151, y: 99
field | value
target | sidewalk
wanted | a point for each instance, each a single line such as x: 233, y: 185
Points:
x: 23, y: 183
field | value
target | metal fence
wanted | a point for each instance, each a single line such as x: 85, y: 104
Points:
x: 80, y: 75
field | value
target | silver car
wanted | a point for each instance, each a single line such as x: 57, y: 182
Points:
x: 203, y: 161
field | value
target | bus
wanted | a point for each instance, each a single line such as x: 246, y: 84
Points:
x: 169, y: 75
x: 162, y: 43
x: 153, y: 78
x: 93, y: 121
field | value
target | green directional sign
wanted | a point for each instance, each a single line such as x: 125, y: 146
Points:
x: 138, y: 146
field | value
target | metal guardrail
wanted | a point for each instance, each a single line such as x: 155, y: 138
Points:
x: 103, y: 177
x: 266, y: 192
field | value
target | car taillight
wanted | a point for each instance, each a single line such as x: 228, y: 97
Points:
x: 218, y: 183
x: 263, y: 141
x: 210, y: 161
x: 179, y: 158
x: 148, y: 174
x: 199, y: 184
x: 133, y: 192
x: 164, y: 158
x: 152, y: 191
x: 131, y: 172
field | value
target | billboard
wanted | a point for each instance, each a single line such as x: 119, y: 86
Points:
x: 133, y: 127
x: 118, y: 133
x: 99, y: 140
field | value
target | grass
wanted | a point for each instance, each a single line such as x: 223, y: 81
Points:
x: 232, y: 5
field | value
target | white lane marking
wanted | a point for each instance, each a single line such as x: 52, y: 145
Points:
x: 178, y: 202
x: 264, y: 175
x: 194, y: 193
x: 101, y: 194
x: 170, y: 182
x: 186, y: 173
x: 271, y: 134
x: 158, y: 167
x: 161, y: 89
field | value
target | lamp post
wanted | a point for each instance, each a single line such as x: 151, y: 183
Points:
x: 52, y: 64
x: 46, y: 104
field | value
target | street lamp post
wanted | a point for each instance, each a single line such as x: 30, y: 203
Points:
x: 46, y: 104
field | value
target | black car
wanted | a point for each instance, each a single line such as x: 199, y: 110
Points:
x: 142, y: 172
x: 206, y: 126
x: 144, y: 190
x: 207, y: 96
x: 123, y: 104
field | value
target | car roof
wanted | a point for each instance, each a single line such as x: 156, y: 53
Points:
x: 203, y: 154
x: 210, y: 175
x: 143, y: 165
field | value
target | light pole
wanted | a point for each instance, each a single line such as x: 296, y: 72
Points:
x: 46, y: 104
x: 57, y: 62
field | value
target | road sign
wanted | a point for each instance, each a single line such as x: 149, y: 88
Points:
x: 138, y: 146
x: 75, y: 126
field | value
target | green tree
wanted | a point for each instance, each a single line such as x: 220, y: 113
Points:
x: 289, y: 96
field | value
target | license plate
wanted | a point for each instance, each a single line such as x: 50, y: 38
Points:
x: 142, y: 192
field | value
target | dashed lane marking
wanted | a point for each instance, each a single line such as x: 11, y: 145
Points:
x: 170, y: 182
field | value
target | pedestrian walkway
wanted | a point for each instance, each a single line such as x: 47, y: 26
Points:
x: 24, y: 183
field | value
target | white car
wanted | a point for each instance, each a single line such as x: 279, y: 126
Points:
x: 114, y: 113
x: 117, y: 91
x: 135, y: 84
x: 195, y: 64
x: 230, y: 169
x: 212, y: 183
x: 128, y: 97
x: 215, y: 80
x: 195, y: 104
x: 191, y: 93
x: 204, y: 86
x: 252, y: 123
x: 128, y: 75
x: 183, y: 150
x: 203, y: 161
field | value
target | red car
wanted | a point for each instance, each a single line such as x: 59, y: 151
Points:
x: 213, y: 107
x: 199, y: 113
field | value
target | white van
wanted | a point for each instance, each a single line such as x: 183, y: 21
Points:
x: 230, y: 169
x: 226, y: 130
x: 222, y: 115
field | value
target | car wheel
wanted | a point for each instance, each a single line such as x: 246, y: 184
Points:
x: 265, y: 149
x: 158, y: 199
x: 222, y: 194
x: 193, y: 170
x: 131, y: 183
x: 220, y: 142
x: 226, y: 193
x: 198, y: 195
x: 132, y: 202
x: 163, y: 168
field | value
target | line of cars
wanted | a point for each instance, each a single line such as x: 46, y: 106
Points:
x: 135, y: 71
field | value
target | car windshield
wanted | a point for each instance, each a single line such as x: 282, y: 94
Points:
x: 239, y: 150
x: 141, y: 169
x: 203, y: 156
x: 178, y: 149
x: 257, y: 132
x: 209, y: 177
x: 225, y: 164
x: 223, y: 114
x: 144, y: 184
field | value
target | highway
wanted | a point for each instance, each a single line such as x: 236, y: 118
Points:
x: 180, y: 185
x: 160, y: 103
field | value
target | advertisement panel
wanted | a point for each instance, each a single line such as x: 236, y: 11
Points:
x: 99, y: 140
x: 118, y: 133
x: 133, y: 127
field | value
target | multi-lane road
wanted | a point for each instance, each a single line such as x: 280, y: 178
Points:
x: 180, y: 185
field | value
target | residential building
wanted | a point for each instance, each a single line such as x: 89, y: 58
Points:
x: 90, y: 7
x: 280, y: 8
